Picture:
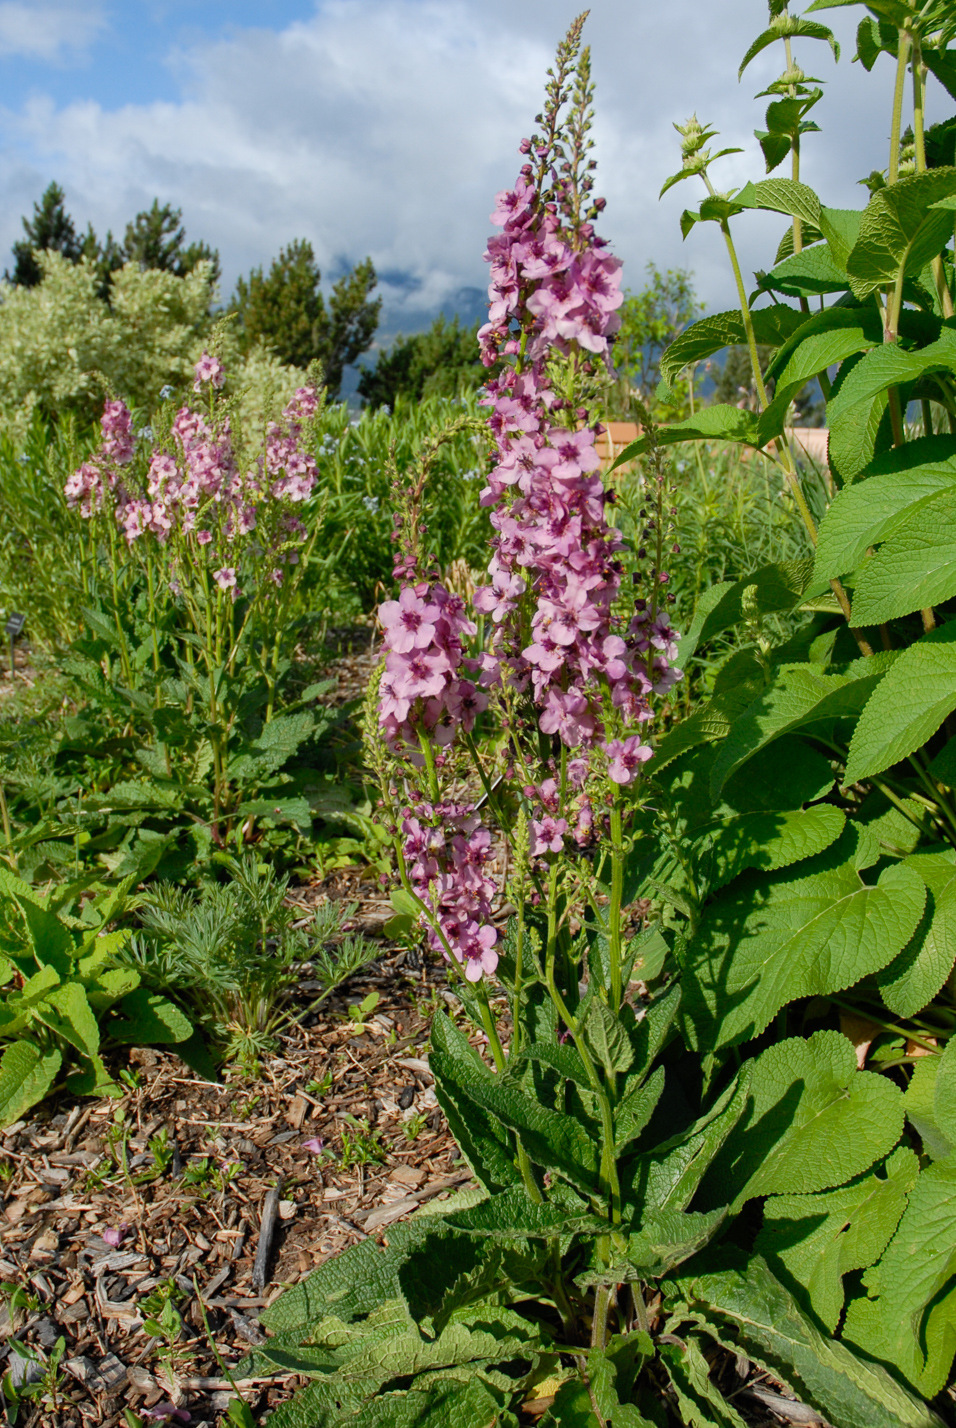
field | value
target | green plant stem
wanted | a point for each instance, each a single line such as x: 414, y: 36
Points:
x: 614, y: 911
x: 488, y: 1022
x: 428, y: 754
x: 7, y: 833
x: 896, y: 124
x: 882, y: 1024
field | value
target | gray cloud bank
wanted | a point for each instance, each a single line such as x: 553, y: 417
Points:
x: 385, y: 127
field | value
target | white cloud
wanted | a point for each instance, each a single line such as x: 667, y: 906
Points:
x: 385, y: 127
x: 45, y: 29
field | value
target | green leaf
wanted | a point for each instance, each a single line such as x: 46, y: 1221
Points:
x: 814, y: 1121
x: 512, y: 1215
x: 746, y: 1306
x: 901, y: 230
x: 660, y: 1244
x: 715, y: 719
x: 782, y: 196
x: 807, y: 931
x: 700, y: 1402
x: 350, y: 1284
x: 800, y: 698
x: 862, y: 392
x: 910, y: 1320
x: 783, y: 27
x: 772, y: 325
x: 897, y: 484
x: 808, y: 273
x: 811, y: 1241
x: 67, y: 1012
x: 279, y: 810
x: 607, y: 1038
x: 915, y: 695
x: 768, y: 591
x: 913, y: 978
x: 915, y: 566
x: 668, y: 1177
x: 146, y: 1018
x: 635, y: 1109
x: 927, y: 1105
x: 826, y: 339
x: 717, y: 422
x: 481, y: 1137
x: 765, y: 840
x: 53, y: 945
x: 26, y: 1074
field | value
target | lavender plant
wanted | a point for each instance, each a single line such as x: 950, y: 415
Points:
x: 585, y: 1282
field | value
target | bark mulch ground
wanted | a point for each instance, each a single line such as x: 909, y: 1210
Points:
x: 111, y: 1206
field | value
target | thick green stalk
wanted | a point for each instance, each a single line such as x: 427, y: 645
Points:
x: 614, y: 911
x: 902, y: 60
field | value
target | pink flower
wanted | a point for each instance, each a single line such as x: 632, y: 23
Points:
x: 625, y: 758
x: 315, y: 1145
x: 115, y: 1236
x: 208, y: 369
x: 225, y: 577
x: 547, y: 835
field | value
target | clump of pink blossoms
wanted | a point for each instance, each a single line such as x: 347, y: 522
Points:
x: 445, y: 849
x: 196, y: 486
x: 556, y: 570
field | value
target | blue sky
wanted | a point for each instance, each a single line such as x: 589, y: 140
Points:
x: 384, y: 127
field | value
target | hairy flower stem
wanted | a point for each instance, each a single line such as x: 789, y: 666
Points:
x: 428, y: 755
x: 617, y: 888
x: 896, y: 125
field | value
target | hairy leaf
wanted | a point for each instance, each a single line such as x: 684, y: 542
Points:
x: 908, y: 706
x: 900, y: 230
x: 716, y: 422
x: 772, y: 325
x: 897, y: 484
x: 745, y: 1305
x: 812, y: 1241
x: 913, y: 978
x: 800, y: 698
x: 699, y: 1401
x: 813, y: 1121
x: 765, y: 840
x: 662, y: 1242
x: 914, y: 567
x: 910, y: 1318
x: 806, y: 931
x: 26, y: 1074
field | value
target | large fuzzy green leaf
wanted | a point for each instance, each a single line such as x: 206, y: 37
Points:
x: 765, y: 840
x: 147, y: 1018
x: 745, y: 1306
x: 865, y: 513
x: 914, y: 567
x: 772, y: 325
x: 699, y: 1401
x: 480, y: 1136
x: 910, y: 1318
x: 660, y: 1244
x: 768, y: 591
x: 718, y: 422
x: 912, y: 980
x: 929, y: 1103
x: 900, y: 230
x: 861, y: 393
x: 801, y: 697
x: 26, y: 1074
x: 813, y: 1121
x: 67, y: 1012
x: 812, y: 1241
x: 808, y: 273
x: 668, y: 1177
x: 806, y: 931
x: 908, y: 706
x: 514, y: 1215
x: 781, y: 196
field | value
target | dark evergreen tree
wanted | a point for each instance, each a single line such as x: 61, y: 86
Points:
x: 156, y: 238
x: 51, y: 227
x: 442, y: 361
x: 285, y: 310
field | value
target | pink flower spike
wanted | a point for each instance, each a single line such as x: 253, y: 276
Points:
x: 208, y: 369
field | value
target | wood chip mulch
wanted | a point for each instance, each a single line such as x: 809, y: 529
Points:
x: 108, y: 1206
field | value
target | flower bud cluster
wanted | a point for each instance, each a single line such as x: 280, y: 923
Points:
x: 196, y: 486
x: 445, y: 849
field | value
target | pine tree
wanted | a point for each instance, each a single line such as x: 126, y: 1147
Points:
x: 285, y: 310
x: 156, y: 239
x: 442, y: 361
x: 51, y: 227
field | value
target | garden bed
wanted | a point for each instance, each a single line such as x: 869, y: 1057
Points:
x: 343, y: 1123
